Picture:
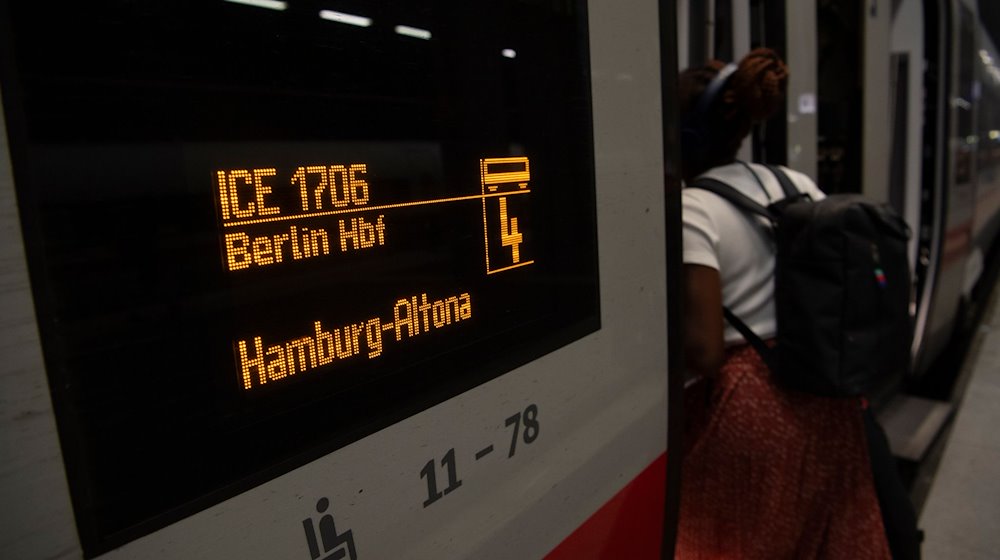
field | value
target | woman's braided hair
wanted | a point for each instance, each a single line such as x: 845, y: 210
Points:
x: 752, y: 94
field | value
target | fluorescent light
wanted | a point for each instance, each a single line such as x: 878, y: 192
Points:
x: 269, y: 4
x: 509, y: 53
x: 995, y: 135
x: 349, y: 19
x: 413, y: 32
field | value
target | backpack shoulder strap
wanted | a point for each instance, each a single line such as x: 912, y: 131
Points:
x: 787, y: 186
x: 765, y: 352
x: 746, y: 204
x: 735, y: 197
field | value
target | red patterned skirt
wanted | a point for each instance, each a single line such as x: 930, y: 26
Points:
x: 770, y: 473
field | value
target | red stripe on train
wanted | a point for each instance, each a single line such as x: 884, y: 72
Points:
x: 957, y: 241
x: 629, y: 526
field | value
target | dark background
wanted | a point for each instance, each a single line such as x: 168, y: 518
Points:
x: 989, y: 13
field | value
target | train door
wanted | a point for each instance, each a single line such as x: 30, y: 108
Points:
x: 297, y: 279
x: 907, y: 114
x: 949, y: 184
x: 802, y: 104
x: 927, y: 231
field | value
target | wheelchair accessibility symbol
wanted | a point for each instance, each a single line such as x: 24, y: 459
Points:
x: 330, y: 545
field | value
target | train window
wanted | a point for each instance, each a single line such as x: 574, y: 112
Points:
x: 258, y: 231
x: 967, y: 95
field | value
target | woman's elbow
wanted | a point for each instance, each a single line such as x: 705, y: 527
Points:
x: 703, y: 358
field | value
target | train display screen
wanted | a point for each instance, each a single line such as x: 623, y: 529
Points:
x: 258, y: 231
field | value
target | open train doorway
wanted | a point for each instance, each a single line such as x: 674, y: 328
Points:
x: 839, y: 139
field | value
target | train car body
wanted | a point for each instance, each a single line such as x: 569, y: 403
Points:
x: 955, y: 228
x: 167, y: 373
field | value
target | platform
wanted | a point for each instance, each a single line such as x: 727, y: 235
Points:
x: 961, y: 516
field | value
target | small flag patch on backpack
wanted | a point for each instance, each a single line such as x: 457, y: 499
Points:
x: 880, y: 277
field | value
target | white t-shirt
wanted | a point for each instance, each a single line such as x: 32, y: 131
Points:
x: 720, y: 236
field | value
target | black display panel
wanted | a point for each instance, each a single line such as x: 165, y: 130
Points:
x: 258, y: 231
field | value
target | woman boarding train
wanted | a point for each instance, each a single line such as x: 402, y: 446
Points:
x: 768, y: 472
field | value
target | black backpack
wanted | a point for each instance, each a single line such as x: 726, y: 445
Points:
x: 841, y: 289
